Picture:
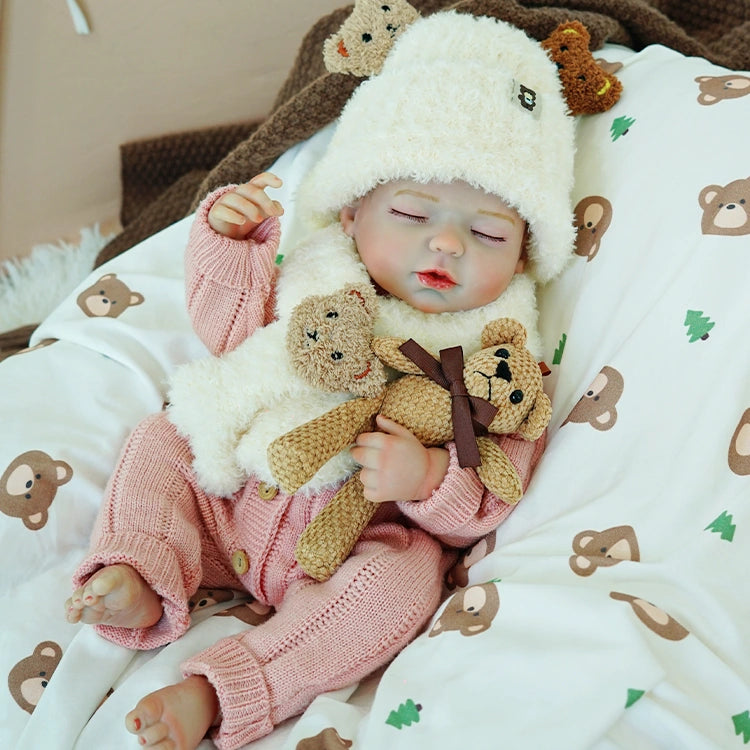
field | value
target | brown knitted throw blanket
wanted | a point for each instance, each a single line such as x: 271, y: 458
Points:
x: 164, y: 178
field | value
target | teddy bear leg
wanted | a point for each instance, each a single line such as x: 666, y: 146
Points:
x: 330, y: 537
x: 497, y: 473
x: 295, y: 456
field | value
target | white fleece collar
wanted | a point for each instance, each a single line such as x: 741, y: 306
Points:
x: 232, y: 407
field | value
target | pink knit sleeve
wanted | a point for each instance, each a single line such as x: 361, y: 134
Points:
x: 229, y: 284
x: 462, y: 510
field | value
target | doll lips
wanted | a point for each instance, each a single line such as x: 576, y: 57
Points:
x: 436, y: 278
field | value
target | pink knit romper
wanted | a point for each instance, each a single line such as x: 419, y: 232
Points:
x: 323, y: 636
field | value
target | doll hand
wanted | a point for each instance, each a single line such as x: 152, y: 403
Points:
x: 236, y: 213
x: 396, y: 466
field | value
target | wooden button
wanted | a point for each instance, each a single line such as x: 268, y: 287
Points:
x: 240, y: 562
x: 267, y: 491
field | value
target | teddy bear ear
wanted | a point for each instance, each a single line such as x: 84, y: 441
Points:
x: 366, y: 295
x: 574, y: 27
x: 534, y: 425
x: 503, y: 331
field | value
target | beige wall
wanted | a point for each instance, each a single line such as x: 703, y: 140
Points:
x: 149, y: 67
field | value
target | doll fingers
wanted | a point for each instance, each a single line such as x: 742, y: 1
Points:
x: 266, y: 179
x: 222, y: 212
x: 392, y: 428
x: 254, y: 206
x: 254, y: 196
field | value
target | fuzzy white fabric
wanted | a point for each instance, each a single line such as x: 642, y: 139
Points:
x: 233, y: 407
x: 445, y: 107
x: 441, y: 109
x: 31, y: 287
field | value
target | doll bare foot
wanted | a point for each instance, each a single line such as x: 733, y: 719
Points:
x: 115, y: 595
x: 176, y: 717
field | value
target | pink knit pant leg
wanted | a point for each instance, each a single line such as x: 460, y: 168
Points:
x: 156, y: 519
x: 325, y: 635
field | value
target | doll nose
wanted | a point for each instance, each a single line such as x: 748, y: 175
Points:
x: 447, y: 240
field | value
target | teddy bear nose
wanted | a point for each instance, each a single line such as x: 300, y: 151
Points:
x: 503, y: 371
x: 312, y: 335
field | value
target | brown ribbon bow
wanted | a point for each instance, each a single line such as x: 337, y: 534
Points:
x: 471, y: 415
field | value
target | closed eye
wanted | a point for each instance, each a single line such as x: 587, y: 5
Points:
x: 410, y: 217
x: 488, y: 237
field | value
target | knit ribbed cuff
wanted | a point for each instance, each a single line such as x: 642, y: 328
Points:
x: 452, y: 504
x: 236, y: 264
x: 245, y: 705
x: 158, y: 566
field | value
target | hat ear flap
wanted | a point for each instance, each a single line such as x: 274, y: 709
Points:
x: 503, y: 331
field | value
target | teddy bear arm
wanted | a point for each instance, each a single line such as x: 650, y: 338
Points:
x: 538, y: 419
x: 497, y: 473
x: 386, y: 349
x: 296, y: 456
x: 330, y: 537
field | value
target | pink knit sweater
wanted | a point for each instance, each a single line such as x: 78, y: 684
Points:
x: 323, y: 636
x: 230, y: 292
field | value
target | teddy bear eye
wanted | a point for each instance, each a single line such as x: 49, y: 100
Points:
x: 336, y: 356
x: 516, y: 397
x: 504, y: 353
x: 332, y: 314
x: 366, y: 37
x: 386, y: 8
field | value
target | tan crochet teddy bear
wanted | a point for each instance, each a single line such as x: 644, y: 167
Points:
x: 497, y: 390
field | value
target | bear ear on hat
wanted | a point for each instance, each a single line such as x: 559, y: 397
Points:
x: 364, y: 40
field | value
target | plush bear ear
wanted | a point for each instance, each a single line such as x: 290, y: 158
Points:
x: 365, y: 294
x: 534, y: 425
x: 503, y: 331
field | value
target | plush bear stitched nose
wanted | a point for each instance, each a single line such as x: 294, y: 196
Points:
x: 503, y: 371
x: 312, y: 335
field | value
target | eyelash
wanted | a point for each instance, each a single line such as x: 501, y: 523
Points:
x: 488, y: 237
x: 411, y: 217
x: 423, y: 220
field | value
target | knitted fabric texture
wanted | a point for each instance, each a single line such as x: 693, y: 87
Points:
x: 504, y: 373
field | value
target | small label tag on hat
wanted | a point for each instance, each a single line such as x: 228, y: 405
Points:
x: 527, y: 99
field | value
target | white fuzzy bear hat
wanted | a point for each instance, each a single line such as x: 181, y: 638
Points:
x: 460, y: 97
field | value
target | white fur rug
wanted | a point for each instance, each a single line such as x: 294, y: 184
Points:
x: 31, y: 287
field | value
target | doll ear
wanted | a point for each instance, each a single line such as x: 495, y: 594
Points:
x: 503, y: 331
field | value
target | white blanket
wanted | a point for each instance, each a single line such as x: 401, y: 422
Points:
x: 610, y: 610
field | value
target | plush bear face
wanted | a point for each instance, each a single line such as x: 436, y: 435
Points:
x: 328, y: 340
x: 506, y: 374
x: 362, y: 43
x: 508, y: 377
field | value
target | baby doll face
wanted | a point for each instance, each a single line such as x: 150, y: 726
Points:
x: 439, y: 247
